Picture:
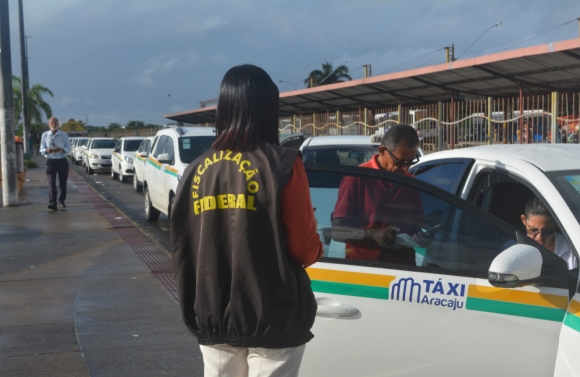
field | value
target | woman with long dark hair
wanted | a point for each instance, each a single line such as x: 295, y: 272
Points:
x: 242, y: 232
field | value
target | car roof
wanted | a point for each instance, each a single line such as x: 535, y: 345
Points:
x: 188, y: 131
x: 133, y: 138
x: 339, y: 140
x: 547, y: 157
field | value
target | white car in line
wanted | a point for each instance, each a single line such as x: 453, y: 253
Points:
x: 172, y: 150
x: 350, y: 150
x: 77, y: 150
x: 139, y: 163
x: 123, y: 157
x: 481, y: 299
x: 97, y: 154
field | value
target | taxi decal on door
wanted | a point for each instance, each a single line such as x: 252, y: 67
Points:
x: 447, y: 293
x: 572, y: 319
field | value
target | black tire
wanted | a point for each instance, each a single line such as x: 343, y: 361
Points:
x: 90, y: 171
x: 113, y: 174
x: 136, y: 185
x: 170, y: 207
x: 151, y: 213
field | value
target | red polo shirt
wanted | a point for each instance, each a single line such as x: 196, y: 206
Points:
x: 371, y: 203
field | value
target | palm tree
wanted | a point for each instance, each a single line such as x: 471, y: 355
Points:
x: 327, y: 75
x: 36, y: 105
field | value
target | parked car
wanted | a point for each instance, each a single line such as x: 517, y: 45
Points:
x: 293, y: 141
x: 77, y: 153
x: 172, y: 150
x: 72, y: 141
x: 97, y: 154
x: 123, y: 155
x: 342, y: 150
x: 480, y: 299
x: 139, y: 163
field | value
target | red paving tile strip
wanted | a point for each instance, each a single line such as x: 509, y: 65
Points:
x: 168, y: 281
x: 158, y: 262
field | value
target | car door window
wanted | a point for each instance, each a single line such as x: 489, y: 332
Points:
x: 160, y: 145
x: 118, y: 146
x: 170, y: 150
x: 393, y: 221
x: 447, y: 175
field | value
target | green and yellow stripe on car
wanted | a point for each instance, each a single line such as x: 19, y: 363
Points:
x: 515, y: 302
x: 350, y: 283
x: 572, y: 319
x: 169, y: 170
x: 118, y: 156
x: 138, y: 157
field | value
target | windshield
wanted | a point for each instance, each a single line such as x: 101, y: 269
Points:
x: 104, y: 144
x: 132, y: 145
x: 353, y: 155
x: 192, y: 147
x: 568, y: 184
x: 81, y: 142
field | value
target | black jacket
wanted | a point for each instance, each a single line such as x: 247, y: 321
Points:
x: 236, y: 282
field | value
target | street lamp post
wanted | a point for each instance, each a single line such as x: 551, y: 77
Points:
x: 482, y: 34
x: 288, y: 82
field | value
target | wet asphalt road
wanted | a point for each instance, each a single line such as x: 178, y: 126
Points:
x: 124, y: 197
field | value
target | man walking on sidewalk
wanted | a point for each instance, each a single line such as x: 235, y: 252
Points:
x: 54, y: 145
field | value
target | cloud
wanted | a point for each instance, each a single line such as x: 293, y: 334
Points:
x: 162, y: 64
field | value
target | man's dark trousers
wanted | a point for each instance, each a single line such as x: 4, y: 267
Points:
x: 53, y: 167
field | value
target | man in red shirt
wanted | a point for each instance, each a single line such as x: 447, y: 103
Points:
x: 369, y: 213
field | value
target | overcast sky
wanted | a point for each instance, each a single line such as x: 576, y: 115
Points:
x: 122, y: 60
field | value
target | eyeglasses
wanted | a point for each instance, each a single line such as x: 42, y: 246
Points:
x: 403, y: 163
x: 546, y: 233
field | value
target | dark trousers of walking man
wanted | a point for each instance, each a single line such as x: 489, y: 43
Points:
x: 56, y: 167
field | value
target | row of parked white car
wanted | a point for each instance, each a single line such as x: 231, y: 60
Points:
x: 154, y: 163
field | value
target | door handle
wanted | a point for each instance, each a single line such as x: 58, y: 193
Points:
x: 327, y: 306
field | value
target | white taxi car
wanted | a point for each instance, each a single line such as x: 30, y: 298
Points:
x: 478, y: 297
x: 123, y: 157
x: 77, y: 150
x: 97, y: 154
x: 342, y: 150
x: 172, y: 150
x: 139, y: 163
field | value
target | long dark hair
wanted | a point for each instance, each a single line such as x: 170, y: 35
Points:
x: 247, y: 109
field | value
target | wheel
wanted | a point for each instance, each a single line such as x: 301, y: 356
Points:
x: 151, y: 213
x: 136, y: 186
x: 113, y: 174
x: 90, y: 171
x: 170, y: 207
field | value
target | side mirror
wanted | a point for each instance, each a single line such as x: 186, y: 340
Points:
x: 516, y: 266
x: 164, y: 158
x: 325, y: 235
x: 143, y: 154
x: 84, y: 147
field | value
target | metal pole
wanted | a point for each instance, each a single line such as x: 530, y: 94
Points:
x: 9, y: 184
x: 446, y: 54
x: 452, y: 119
x: 521, y: 120
x: 25, y: 80
x: 439, y: 129
x: 489, y: 114
x: 554, y: 122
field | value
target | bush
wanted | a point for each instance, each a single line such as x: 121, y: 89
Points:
x: 30, y: 164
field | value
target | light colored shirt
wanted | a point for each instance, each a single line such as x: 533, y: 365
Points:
x: 563, y: 250
x: 51, y: 141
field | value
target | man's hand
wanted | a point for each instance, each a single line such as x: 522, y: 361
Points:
x: 382, y: 236
x: 425, y: 239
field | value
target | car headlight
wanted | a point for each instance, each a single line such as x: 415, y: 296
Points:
x: 128, y: 159
x: 95, y: 156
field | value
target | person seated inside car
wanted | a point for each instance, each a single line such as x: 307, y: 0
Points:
x: 541, y: 227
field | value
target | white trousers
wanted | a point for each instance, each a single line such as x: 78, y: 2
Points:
x: 223, y: 360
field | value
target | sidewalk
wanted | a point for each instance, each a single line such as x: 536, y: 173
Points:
x: 84, y: 293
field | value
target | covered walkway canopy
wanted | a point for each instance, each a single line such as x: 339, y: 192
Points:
x: 553, y: 67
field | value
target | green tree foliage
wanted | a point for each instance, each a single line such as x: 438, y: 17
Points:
x: 327, y: 75
x: 113, y: 127
x: 37, y: 108
x: 135, y: 124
